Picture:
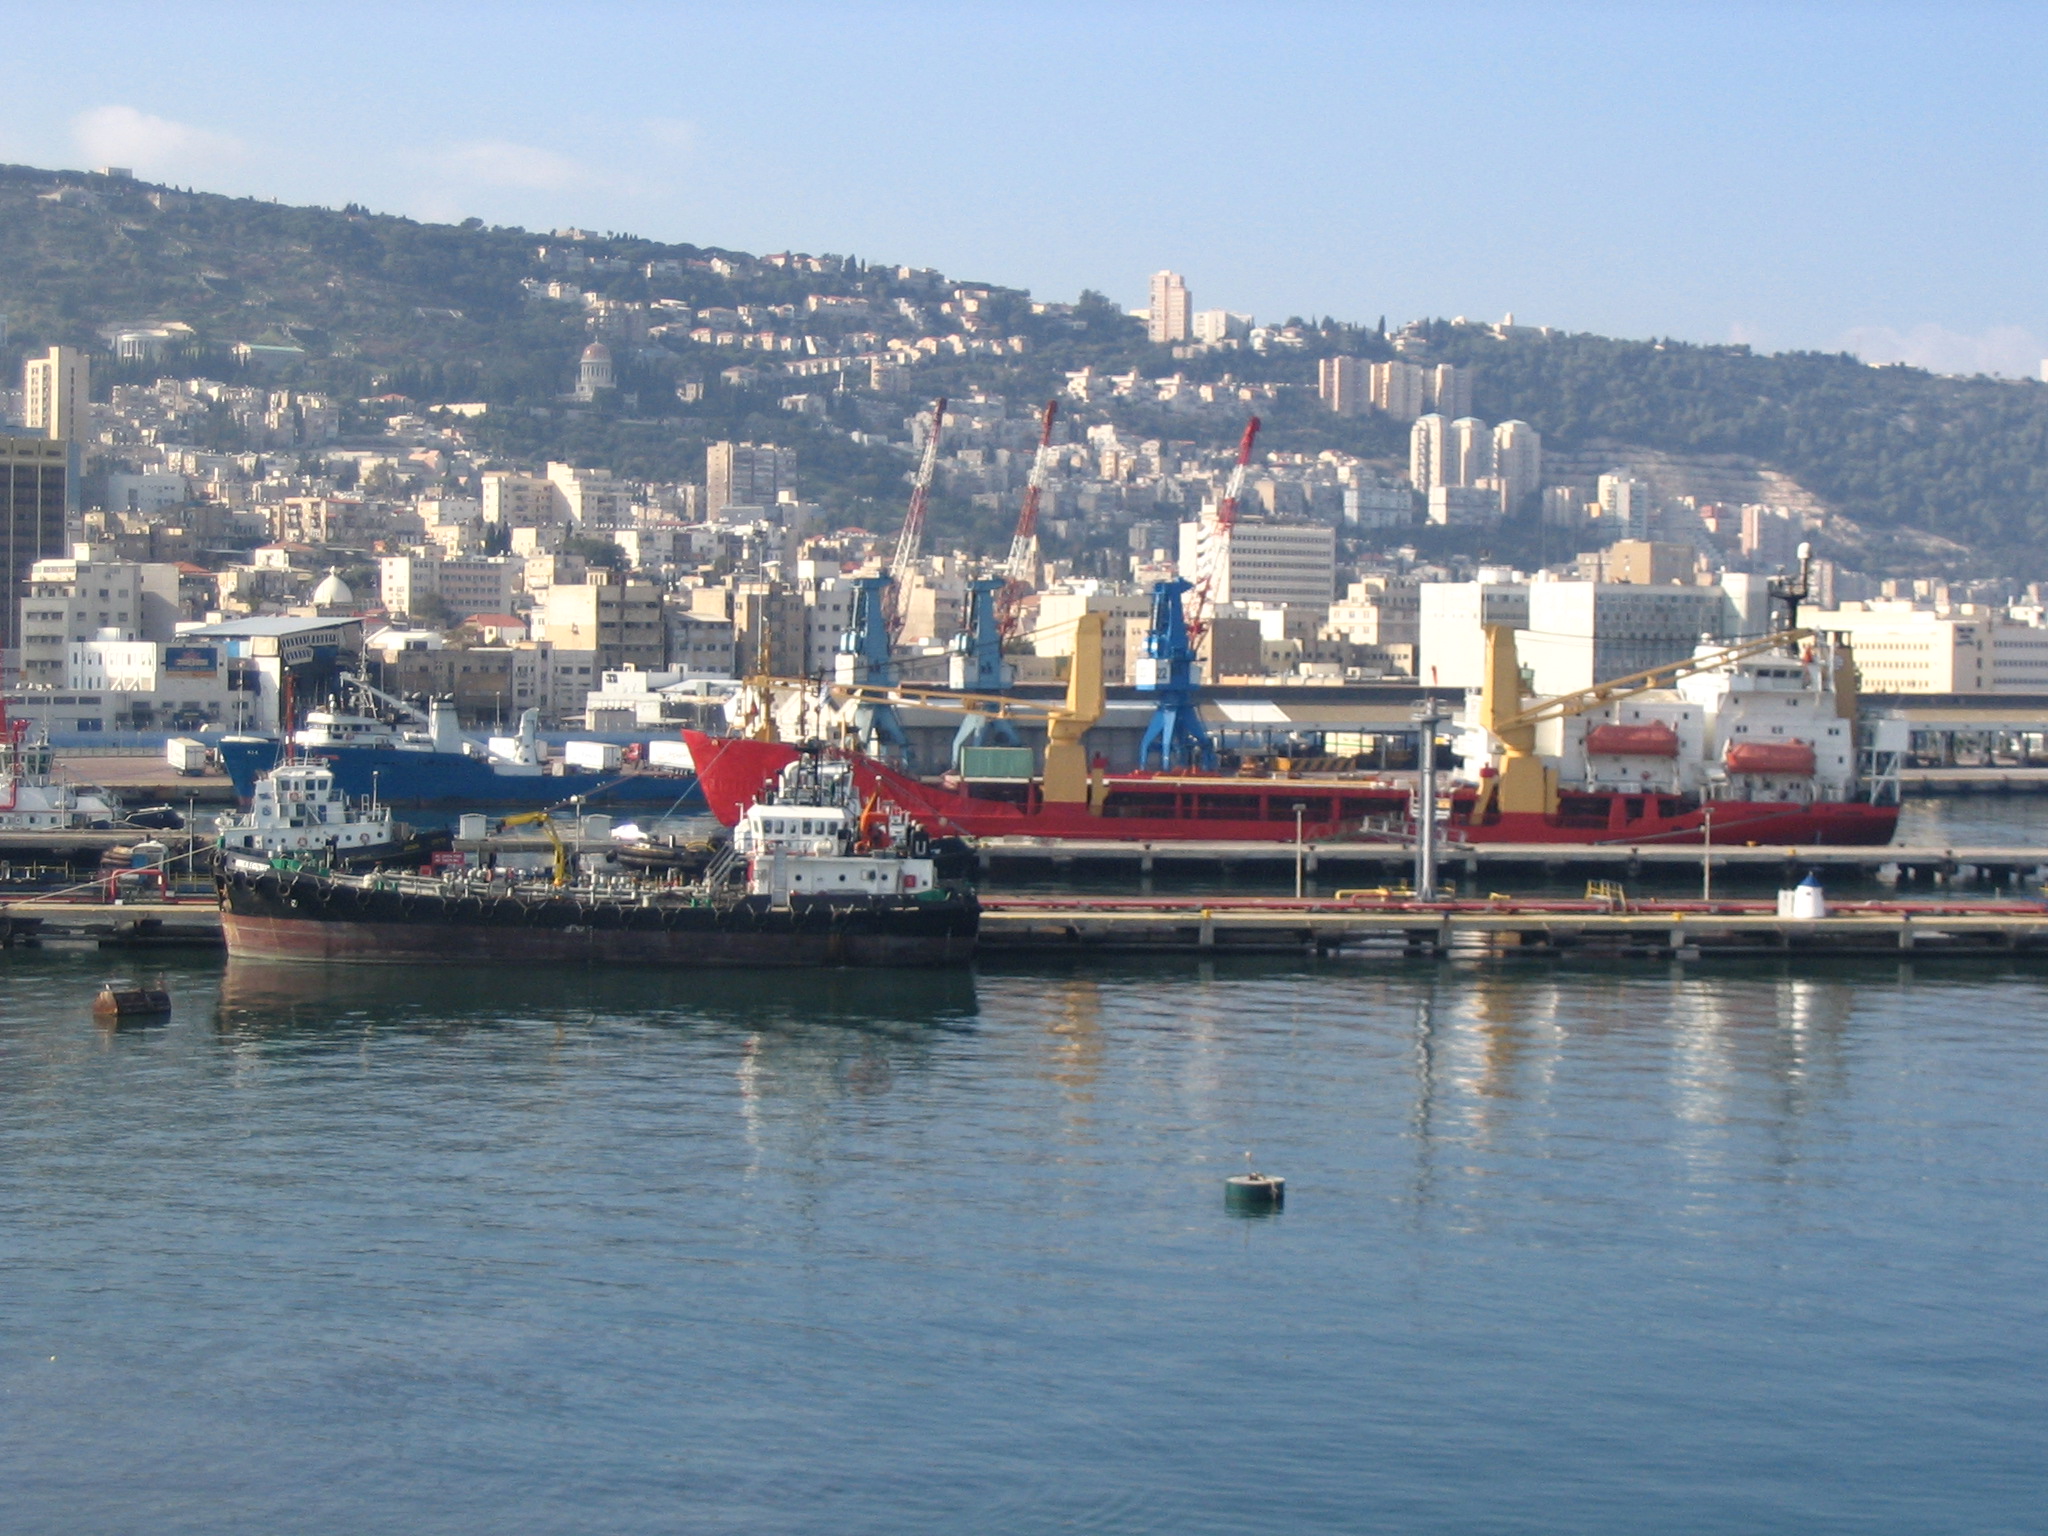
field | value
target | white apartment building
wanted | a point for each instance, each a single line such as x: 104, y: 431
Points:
x: 1379, y: 506
x: 1464, y: 506
x: 1166, y: 319
x: 1627, y: 505
x: 67, y: 602
x: 589, y: 498
x: 1517, y: 462
x: 518, y: 501
x: 56, y: 394
x: 1281, y: 563
x: 1215, y: 326
x: 1470, y: 453
x: 480, y: 584
x: 1431, y: 462
x: 1397, y: 388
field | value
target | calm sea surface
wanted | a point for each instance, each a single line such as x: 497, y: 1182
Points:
x: 1564, y: 1251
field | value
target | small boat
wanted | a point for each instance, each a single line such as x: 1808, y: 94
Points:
x: 132, y: 1002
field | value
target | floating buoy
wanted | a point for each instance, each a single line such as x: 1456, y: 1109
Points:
x: 1252, y: 1191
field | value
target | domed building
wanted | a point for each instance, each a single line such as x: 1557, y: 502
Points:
x: 594, y: 372
x: 333, y: 597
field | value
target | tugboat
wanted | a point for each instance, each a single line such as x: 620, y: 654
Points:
x: 810, y: 878
x: 32, y: 799
x: 297, y: 809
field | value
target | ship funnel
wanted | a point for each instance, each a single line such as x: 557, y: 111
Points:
x: 443, y: 727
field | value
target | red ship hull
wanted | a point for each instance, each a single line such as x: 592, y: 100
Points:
x: 1140, y: 808
x: 1627, y: 819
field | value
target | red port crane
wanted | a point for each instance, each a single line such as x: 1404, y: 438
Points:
x: 1024, y: 544
x: 910, y: 541
x: 1215, y: 546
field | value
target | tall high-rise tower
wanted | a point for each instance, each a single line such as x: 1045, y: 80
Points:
x: 33, y: 473
x: 1170, y: 309
x: 1430, y: 461
x: 56, y: 394
x: 1517, y: 462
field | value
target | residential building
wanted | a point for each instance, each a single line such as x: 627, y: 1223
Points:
x: 1471, y: 451
x: 67, y: 602
x: 1379, y: 506
x: 1464, y: 506
x: 620, y: 621
x: 588, y: 498
x: 33, y: 476
x: 1216, y: 326
x: 746, y: 474
x: 1626, y: 505
x: 57, y: 394
x: 1397, y: 388
x: 1639, y: 562
x: 1517, y: 463
x: 1379, y: 612
x: 1448, y: 390
x: 1430, y: 460
x: 1166, y: 319
x: 519, y: 501
x: 1344, y: 385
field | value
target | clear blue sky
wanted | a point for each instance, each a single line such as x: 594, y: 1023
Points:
x: 1857, y: 175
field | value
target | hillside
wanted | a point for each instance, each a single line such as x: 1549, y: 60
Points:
x: 390, y: 306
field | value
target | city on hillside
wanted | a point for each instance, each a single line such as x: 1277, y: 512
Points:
x: 834, y: 470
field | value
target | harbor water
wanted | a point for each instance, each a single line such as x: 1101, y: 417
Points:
x: 1593, y: 1250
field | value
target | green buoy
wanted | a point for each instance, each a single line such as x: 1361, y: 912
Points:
x: 1252, y: 1192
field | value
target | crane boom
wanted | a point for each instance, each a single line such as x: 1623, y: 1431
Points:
x: 911, y: 539
x: 1565, y: 705
x: 1215, y: 547
x: 1023, y: 547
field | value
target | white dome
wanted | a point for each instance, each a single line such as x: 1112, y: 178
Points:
x: 332, y: 592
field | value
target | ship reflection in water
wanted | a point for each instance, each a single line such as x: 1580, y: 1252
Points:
x: 1687, y: 1247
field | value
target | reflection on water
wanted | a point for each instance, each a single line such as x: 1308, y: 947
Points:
x: 1565, y: 1250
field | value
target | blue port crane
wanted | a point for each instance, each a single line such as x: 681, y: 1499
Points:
x: 866, y: 657
x: 1175, y: 738
x: 978, y: 667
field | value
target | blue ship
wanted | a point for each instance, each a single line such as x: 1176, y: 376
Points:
x: 440, y: 769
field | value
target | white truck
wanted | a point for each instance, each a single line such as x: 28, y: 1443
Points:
x: 187, y: 757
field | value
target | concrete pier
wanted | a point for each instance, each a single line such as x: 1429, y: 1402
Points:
x: 1489, y: 930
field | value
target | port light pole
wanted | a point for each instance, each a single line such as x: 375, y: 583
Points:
x: 1299, y: 850
x: 1429, y: 714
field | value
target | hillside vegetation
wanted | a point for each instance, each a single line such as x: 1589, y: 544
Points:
x: 386, y: 305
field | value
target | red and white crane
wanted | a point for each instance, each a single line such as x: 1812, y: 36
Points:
x: 910, y: 540
x: 1022, y: 569
x: 1215, y: 544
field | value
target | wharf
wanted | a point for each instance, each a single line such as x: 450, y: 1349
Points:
x: 1211, y: 926
x: 1472, y: 861
x: 1508, y: 929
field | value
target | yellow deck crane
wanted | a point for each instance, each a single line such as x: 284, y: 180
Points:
x: 1524, y: 781
x: 546, y: 823
x: 1067, y: 779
